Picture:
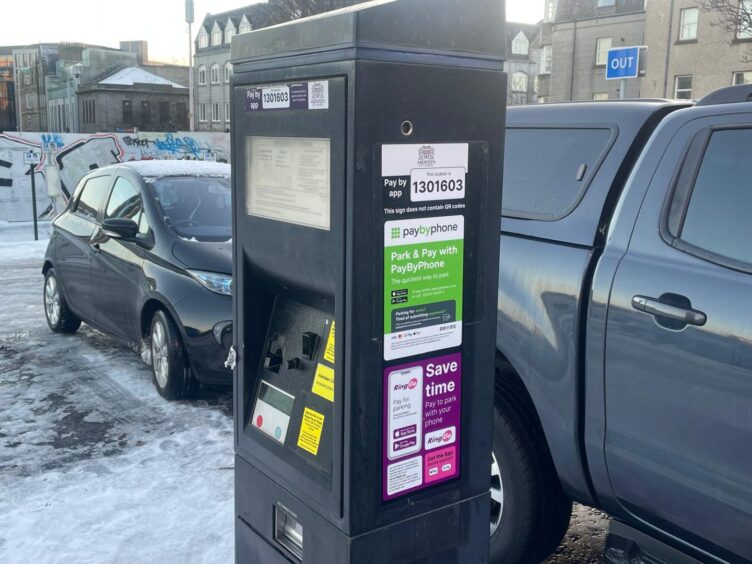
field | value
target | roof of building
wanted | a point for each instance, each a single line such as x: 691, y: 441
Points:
x: 135, y: 75
x: 258, y: 15
x: 531, y: 31
x: 571, y: 10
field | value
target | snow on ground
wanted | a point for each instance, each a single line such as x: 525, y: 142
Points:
x: 94, y: 465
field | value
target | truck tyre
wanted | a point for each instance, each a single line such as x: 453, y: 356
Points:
x: 529, y: 507
x: 60, y: 318
x: 172, y: 375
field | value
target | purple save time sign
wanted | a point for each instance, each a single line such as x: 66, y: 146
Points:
x: 421, y: 424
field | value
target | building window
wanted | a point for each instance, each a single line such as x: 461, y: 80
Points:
x: 216, y: 35
x: 550, y: 10
x: 215, y: 74
x: 203, y: 39
x: 202, y: 75
x: 202, y: 112
x: 519, y: 82
x: 546, y: 60
x: 602, y: 45
x: 688, y: 25
x: 520, y: 44
x: 227, y: 111
x: 597, y: 96
x: 605, y: 3
x: 229, y: 32
x: 127, y: 111
x: 164, y: 114
x: 683, y: 87
x: 245, y: 27
x: 215, y: 111
x: 744, y: 77
x: 745, y: 19
x: 228, y: 72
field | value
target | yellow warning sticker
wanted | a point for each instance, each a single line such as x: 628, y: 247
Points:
x: 323, y: 382
x: 329, y: 351
x: 310, y: 431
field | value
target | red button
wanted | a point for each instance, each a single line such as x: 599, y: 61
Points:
x: 259, y: 421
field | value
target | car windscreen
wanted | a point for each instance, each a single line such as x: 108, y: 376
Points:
x: 547, y: 170
x: 195, y: 207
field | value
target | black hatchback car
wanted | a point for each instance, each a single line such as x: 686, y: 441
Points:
x: 143, y: 253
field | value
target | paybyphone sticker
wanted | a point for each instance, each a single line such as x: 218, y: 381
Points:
x: 421, y: 424
x: 423, y: 284
x: 313, y: 95
x: 426, y: 172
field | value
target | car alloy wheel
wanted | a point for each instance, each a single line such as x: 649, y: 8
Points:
x: 52, y: 300
x: 497, y: 495
x: 159, y: 354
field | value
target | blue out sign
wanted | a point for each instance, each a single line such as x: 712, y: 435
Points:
x: 623, y: 62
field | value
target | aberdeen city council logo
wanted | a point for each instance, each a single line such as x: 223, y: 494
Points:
x: 426, y: 156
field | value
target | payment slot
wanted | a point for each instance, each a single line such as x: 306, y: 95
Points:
x: 366, y: 202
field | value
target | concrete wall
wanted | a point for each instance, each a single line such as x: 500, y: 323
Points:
x: 70, y: 156
x: 711, y: 59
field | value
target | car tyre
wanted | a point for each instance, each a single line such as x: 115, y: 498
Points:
x: 172, y: 374
x: 529, y: 506
x: 60, y: 318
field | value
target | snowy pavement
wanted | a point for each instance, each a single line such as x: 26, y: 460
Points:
x: 95, y: 467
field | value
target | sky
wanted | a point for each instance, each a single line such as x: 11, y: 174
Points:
x: 160, y: 22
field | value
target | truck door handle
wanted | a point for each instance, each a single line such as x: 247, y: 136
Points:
x: 660, y: 309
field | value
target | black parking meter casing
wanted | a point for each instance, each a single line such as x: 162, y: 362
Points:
x: 367, y: 152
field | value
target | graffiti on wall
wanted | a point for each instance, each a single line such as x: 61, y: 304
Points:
x: 73, y: 155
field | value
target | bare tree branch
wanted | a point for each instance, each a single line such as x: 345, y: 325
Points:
x: 286, y: 10
x: 733, y: 16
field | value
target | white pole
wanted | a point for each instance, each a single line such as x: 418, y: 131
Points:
x: 190, y: 77
x: 623, y: 89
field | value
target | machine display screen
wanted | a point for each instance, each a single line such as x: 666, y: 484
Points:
x: 276, y: 398
x: 289, y: 179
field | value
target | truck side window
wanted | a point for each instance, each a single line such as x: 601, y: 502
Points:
x: 718, y: 213
x: 547, y: 170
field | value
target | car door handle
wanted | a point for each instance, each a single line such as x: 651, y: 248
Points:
x: 656, y: 307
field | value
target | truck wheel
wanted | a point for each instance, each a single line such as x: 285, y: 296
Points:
x: 59, y: 316
x: 172, y: 375
x: 529, y: 510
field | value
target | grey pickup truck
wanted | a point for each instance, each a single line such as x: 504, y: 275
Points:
x: 624, y: 344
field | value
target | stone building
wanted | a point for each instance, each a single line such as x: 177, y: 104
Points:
x: 133, y: 98
x: 7, y: 90
x: 575, y: 38
x: 31, y: 64
x: 690, y: 55
x: 212, y: 68
x: 523, y: 63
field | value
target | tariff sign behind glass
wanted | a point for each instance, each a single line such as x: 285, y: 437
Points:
x: 437, y: 184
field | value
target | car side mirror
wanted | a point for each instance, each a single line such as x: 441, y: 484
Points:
x: 120, y: 228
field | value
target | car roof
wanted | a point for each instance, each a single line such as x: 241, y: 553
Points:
x: 160, y: 168
x: 582, y: 113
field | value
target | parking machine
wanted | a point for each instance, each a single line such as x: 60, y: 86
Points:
x: 367, y: 152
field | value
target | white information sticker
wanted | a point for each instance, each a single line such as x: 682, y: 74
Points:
x: 437, y: 184
x: 404, y: 475
x: 275, y: 97
x: 288, y: 179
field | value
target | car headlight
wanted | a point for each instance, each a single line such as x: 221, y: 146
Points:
x: 219, y: 283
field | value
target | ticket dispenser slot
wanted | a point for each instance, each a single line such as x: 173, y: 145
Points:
x: 367, y: 149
